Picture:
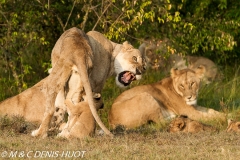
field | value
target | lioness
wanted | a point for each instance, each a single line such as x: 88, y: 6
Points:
x: 28, y: 104
x: 81, y: 123
x: 184, y: 124
x: 154, y: 51
x: 175, y: 95
x: 96, y: 58
x: 233, y: 126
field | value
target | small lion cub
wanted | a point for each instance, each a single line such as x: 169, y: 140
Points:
x: 187, y: 125
x: 81, y: 123
x: 233, y: 126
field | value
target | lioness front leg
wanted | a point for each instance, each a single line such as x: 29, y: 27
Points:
x: 200, y: 113
x: 211, y: 112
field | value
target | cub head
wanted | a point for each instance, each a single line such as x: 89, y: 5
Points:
x: 97, y: 99
x: 186, y: 83
x: 129, y: 65
x: 184, y: 124
x: 233, y: 126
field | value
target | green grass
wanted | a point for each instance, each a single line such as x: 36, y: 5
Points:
x: 147, y: 142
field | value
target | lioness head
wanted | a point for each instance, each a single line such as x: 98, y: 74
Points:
x: 186, y: 83
x: 184, y: 124
x: 129, y: 65
x: 233, y: 126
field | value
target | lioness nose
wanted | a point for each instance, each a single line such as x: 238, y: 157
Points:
x: 138, y: 72
x: 189, y: 97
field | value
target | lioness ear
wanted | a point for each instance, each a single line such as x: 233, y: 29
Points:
x: 200, y: 71
x: 173, y: 72
x: 127, y: 46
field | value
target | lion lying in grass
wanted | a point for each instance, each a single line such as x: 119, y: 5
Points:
x: 172, y: 96
x: 28, y: 104
x: 82, y: 123
x: 154, y: 51
x: 184, y: 124
x: 233, y: 126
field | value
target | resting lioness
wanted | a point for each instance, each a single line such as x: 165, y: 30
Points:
x: 28, y: 104
x: 184, y: 124
x: 233, y: 126
x: 96, y: 58
x: 154, y: 51
x: 82, y: 123
x: 175, y: 95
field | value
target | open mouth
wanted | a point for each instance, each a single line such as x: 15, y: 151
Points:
x: 126, y: 77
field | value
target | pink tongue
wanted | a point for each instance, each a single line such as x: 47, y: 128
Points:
x: 126, y: 77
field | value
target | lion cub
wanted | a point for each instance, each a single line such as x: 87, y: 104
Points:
x: 81, y: 123
x: 233, y: 126
x: 184, y: 124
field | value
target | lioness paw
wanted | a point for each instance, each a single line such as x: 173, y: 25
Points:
x: 36, y: 133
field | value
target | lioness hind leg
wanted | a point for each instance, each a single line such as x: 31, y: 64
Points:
x: 135, y: 111
x: 59, y: 76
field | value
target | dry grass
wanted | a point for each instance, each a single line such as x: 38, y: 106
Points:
x: 148, y: 142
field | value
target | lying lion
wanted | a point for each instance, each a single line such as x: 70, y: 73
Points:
x: 184, y: 124
x: 154, y: 51
x: 28, y: 104
x: 233, y: 126
x: 82, y: 123
x: 172, y: 96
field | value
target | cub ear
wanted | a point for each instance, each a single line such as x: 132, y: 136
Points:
x: 127, y: 46
x: 230, y: 121
x: 238, y: 125
x: 200, y: 71
x: 96, y: 96
x: 180, y: 124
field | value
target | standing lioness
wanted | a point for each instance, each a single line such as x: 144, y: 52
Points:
x: 175, y: 95
x: 96, y: 58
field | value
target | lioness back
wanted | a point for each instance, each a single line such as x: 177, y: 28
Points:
x: 29, y: 104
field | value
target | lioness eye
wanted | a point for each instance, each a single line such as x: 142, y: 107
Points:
x: 181, y: 86
x: 192, y: 83
x: 134, y: 58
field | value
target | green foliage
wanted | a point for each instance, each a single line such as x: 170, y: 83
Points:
x: 29, y: 31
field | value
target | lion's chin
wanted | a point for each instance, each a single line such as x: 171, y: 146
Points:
x: 192, y: 103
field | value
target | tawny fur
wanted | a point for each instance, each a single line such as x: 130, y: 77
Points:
x: 28, y: 104
x: 155, y: 60
x: 233, y: 126
x: 184, y: 124
x: 172, y: 96
x: 82, y: 123
x: 96, y: 58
